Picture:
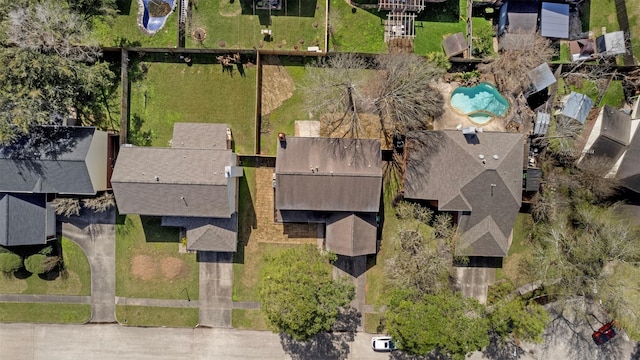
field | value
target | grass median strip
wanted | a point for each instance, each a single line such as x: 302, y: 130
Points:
x: 157, y: 316
x: 45, y: 313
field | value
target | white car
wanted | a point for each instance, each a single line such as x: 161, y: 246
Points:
x: 382, y: 343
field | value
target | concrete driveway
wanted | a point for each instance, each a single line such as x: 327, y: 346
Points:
x: 95, y: 234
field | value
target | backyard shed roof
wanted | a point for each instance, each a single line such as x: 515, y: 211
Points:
x: 611, y: 43
x: 352, y: 234
x: 481, y: 179
x: 454, y: 44
x: 325, y: 174
x: 582, y: 49
x: 534, y: 177
x: 577, y: 106
x: 55, y: 159
x: 542, y: 123
x: 522, y: 16
x: 25, y: 219
x: 541, y: 77
x: 554, y: 20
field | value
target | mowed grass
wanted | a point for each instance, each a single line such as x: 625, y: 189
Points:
x: 175, y: 92
x: 633, y: 11
x: 157, y: 316
x: 248, y: 319
x: 230, y: 25
x: 284, y: 117
x: 75, y: 280
x: 148, y: 262
x: 614, y: 96
x: 355, y: 29
x: 124, y: 31
x: 45, y: 313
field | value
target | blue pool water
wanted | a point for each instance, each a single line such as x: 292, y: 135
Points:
x: 481, y: 103
x: 153, y: 24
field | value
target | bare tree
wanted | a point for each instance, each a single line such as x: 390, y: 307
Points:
x: 404, y: 92
x: 66, y: 206
x: 525, y: 52
x: 334, y: 88
x: 100, y: 203
x: 593, y: 176
x: 49, y: 28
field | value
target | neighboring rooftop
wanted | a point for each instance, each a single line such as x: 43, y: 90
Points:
x: 25, y: 220
x: 480, y: 178
x: 611, y: 43
x: 554, y: 20
x: 56, y: 159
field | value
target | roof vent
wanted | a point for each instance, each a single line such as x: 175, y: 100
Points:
x: 157, y: 178
x: 496, y: 157
x: 481, y: 157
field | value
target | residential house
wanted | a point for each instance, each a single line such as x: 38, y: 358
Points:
x: 554, y: 20
x: 192, y: 185
x: 476, y: 176
x: 335, y: 182
x: 614, y: 142
x: 50, y: 161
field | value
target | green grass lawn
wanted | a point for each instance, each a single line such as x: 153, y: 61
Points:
x: 614, y: 96
x: 283, y: 118
x: 230, y: 25
x: 373, y: 323
x: 157, y: 316
x: 45, y: 313
x: 148, y: 262
x: 75, y: 280
x: 123, y: 30
x: 356, y: 30
x: 597, y: 14
x: 633, y: 11
x: 519, y: 248
x: 171, y: 92
x: 248, y: 319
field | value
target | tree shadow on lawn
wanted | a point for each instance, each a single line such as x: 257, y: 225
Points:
x: 154, y: 232
x: 247, y: 219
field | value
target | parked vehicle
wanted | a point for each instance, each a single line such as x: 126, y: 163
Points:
x: 382, y: 343
x: 607, y: 332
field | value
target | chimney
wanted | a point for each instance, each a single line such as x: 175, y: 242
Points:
x: 282, y: 138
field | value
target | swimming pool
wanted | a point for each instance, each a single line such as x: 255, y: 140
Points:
x: 481, y: 103
x: 148, y: 23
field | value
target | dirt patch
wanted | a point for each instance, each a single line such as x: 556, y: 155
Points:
x: 143, y: 267
x: 67, y: 284
x: 172, y: 267
x: 277, y: 84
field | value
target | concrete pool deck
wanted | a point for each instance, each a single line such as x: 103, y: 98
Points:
x: 451, y: 119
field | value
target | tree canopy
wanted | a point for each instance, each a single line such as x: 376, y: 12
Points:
x: 298, y: 295
x: 445, y: 322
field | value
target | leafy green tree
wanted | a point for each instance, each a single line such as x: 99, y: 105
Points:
x: 90, y: 8
x: 9, y: 262
x: 522, y: 320
x: 445, y: 321
x: 298, y: 296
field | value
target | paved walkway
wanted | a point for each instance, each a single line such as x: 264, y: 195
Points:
x: 354, y: 269
x: 95, y: 234
x: 216, y: 288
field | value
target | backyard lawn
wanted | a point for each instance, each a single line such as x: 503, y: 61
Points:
x: 44, y: 313
x: 123, y: 30
x: 356, y: 29
x: 234, y: 25
x: 519, y: 249
x: 174, y: 92
x: 148, y: 262
x: 75, y: 280
x: 157, y: 316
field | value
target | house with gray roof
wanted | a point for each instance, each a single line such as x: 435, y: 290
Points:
x: 336, y: 182
x: 192, y: 185
x: 615, y: 142
x: 49, y: 161
x: 477, y: 177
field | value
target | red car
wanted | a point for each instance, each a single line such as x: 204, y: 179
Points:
x: 607, y: 332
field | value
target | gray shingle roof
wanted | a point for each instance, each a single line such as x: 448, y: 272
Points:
x: 208, y: 234
x: 173, y: 182
x: 323, y: 174
x: 612, y: 43
x: 23, y: 219
x: 54, y: 159
x: 199, y: 136
x: 522, y: 16
x: 448, y: 169
x: 352, y: 234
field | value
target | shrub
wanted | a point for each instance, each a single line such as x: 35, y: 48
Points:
x: 67, y: 206
x: 101, y: 203
x: 10, y: 262
x: 40, y: 264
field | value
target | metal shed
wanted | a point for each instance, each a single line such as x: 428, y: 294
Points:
x: 554, y: 20
x: 541, y: 77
